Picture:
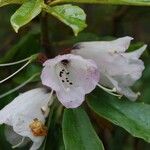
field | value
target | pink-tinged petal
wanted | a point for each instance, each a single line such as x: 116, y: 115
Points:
x: 49, y: 77
x: 118, y: 45
x: 83, y: 73
x: 124, y: 68
x: 72, y: 98
x: 71, y: 76
x: 123, y: 43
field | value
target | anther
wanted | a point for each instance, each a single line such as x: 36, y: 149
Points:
x: 70, y: 83
x: 38, y: 128
x: 63, y: 81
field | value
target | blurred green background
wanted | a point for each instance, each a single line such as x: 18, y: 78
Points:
x: 105, y: 22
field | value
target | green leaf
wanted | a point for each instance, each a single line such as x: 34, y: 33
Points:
x: 115, y: 2
x: 54, y: 139
x: 72, y: 16
x: 78, y: 132
x: 28, y: 72
x: 133, y: 117
x: 25, y: 13
x: 7, y: 2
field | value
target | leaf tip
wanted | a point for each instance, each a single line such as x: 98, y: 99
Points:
x: 14, y: 25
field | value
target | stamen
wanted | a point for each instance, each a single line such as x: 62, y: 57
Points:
x: 20, y: 86
x: 38, y: 128
x: 15, y: 72
x: 63, y: 76
x: 106, y: 89
x: 17, y: 145
x: 14, y: 63
x: 110, y: 91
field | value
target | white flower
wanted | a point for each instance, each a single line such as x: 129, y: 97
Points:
x: 71, y: 77
x: 118, y: 70
x: 26, y: 115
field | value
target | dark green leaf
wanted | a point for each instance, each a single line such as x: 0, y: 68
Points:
x: 25, y: 13
x: 72, y: 16
x: 133, y: 117
x: 78, y: 132
x: 54, y: 139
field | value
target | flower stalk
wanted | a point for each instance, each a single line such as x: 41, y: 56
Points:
x: 29, y: 60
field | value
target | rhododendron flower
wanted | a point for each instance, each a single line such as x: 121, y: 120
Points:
x: 26, y: 116
x: 71, y: 77
x: 118, y: 69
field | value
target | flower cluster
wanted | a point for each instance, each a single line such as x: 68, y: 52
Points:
x: 104, y: 64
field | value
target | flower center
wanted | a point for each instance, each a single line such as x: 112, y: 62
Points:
x: 63, y: 75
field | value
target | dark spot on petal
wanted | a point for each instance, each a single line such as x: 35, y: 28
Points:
x: 65, y: 62
x: 60, y: 74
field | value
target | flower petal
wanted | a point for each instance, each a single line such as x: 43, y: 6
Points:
x: 72, y: 98
x: 71, y: 76
x: 123, y: 68
x: 135, y: 54
x: 118, y: 45
x: 13, y: 138
x: 23, y: 110
x: 122, y: 89
x: 84, y: 73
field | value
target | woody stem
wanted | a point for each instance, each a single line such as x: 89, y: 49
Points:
x: 46, y: 44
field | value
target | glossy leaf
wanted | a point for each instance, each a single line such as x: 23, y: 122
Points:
x: 133, y: 117
x: 115, y: 2
x: 72, y: 16
x: 78, y: 132
x: 25, y: 13
x: 7, y: 2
